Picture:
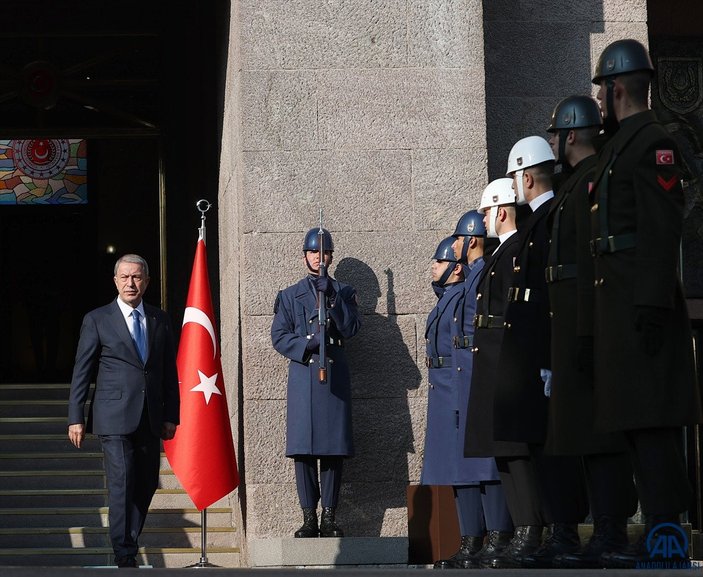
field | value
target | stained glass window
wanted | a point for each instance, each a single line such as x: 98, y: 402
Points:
x: 43, y: 171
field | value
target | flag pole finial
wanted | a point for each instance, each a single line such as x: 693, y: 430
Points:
x: 203, y: 206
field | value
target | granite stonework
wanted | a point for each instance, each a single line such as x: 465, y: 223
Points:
x: 391, y: 115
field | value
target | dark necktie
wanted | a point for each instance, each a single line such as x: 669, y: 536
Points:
x: 138, y: 334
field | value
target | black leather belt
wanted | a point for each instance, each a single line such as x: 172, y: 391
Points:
x: 612, y: 244
x: 438, y: 362
x: 488, y: 322
x: 560, y: 272
x: 465, y: 342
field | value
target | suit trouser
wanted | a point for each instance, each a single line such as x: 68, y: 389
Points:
x: 562, y: 486
x: 611, y: 489
x: 132, y: 471
x: 660, y: 470
x: 481, y: 507
x: 518, y: 475
x: 308, y: 483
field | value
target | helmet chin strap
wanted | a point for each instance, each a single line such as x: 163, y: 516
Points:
x: 447, y: 273
x: 307, y: 264
x: 520, y: 189
x: 492, y: 216
x: 610, y: 122
x: 563, y: 135
x: 465, y: 249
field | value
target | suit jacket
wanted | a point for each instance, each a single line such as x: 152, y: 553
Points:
x: 108, y: 356
x: 637, y: 194
x: 319, y: 420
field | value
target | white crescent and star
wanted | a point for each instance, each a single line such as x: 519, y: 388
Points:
x: 207, y: 385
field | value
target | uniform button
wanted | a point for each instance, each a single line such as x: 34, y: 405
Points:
x: 551, y: 314
x: 458, y: 368
x: 516, y: 268
x: 507, y: 325
x: 601, y: 281
x: 478, y: 296
x: 493, y: 273
x: 594, y: 208
x: 531, y: 244
x: 474, y: 350
x: 610, y: 172
x: 454, y: 317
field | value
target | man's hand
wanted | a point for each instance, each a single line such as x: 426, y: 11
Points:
x: 76, y: 434
x: 168, y: 431
x: 324, y: 284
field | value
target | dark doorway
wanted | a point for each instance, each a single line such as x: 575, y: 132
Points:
x: 57, y: 260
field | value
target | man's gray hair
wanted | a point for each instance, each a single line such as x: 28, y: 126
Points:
x: 135, y: 259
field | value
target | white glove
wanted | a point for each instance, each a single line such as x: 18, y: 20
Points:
x: 546, y: 375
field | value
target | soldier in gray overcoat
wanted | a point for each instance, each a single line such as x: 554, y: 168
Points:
x: 319, y: 420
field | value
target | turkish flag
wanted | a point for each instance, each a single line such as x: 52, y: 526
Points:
x: 202, y: 452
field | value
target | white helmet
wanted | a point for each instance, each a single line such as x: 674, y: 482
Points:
x: 497, y: 193
x: 526, y: 152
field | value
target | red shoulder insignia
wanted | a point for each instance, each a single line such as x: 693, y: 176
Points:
x: 667, y: 184
x: 665, y: 157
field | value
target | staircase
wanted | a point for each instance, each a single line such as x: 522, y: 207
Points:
x: 53, y: 501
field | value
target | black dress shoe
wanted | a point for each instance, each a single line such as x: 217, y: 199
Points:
x: 564, y: 538
x: 526, y: 541
x: 609, y: 536
x: 309, y: 528
x: 495, y: 544
x: 126, y: 562
x: 462, y: 558
x: 328, y: 525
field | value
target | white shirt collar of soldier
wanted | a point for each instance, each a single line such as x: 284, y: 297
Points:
x: 535, y: 203
x: 506, y: 235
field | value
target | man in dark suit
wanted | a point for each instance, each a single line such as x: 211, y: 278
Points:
x: 645, y: 381
x: 127, y: 348
x: 319, y: 420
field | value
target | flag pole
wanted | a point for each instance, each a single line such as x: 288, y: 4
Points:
x: 203, y: 206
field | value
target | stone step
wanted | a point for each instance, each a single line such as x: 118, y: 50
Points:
x: 33, y: 391
x: 96, y: 497
x: 19, y: 425
x: 90, y: 537
x: 46, y: 443
x: 34, y: 408
x: 59, y: 461
x: 102, y: 557
x: 48, y: 479
x: 97, y: 517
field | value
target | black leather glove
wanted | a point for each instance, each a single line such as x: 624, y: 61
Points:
x: 584, y: 356
x: 313, y: 344
x: 649, y: 323
x: 324, y: 284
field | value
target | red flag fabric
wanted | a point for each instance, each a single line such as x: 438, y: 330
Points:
x: 202, y: 452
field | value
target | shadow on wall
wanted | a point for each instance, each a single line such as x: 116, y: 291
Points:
x: 383, y: 370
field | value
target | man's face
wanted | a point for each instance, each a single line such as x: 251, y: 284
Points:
x: 601, y: 96
x: 131, y: 283
x: 457, y: 245
x: 313, y: 259
x: 554, y: 143
x: 438, y: 268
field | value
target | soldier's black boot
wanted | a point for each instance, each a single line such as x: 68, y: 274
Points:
x: 495, y: 544
x: 328, y: 526
x: 609, y: 536
x: 309, y: 528
x: 563, y: 538
x: 526, y: 540
x: 469, y: 547
x: 661, y: 546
